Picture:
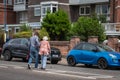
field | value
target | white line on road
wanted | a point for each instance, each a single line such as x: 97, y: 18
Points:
x: 63, y: 73
x: 68, y: 75
x: 3, y: 67
x: 14, y: 66
x: 83, y: 73
x: 72, y: 72
x: 18, y: 67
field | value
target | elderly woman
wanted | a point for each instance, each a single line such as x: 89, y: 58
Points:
x: 44, y: 51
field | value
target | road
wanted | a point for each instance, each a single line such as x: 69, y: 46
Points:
x: 17, y: 70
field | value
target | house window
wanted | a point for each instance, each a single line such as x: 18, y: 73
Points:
x: 23, y: 17
x: 9, y: 2
x: 37, y: 11
x: 17, y: 29
x: 48, y: 6
x: 19, y: 1
x: 102, y: 9
x: 84, y: 10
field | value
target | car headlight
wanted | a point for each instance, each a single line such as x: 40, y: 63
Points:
x: 112, y: 55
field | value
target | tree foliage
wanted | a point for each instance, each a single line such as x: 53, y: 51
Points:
x: 28, y: 34
x: 57, y: 25
x: 86, y: 26
x: 24, y: 27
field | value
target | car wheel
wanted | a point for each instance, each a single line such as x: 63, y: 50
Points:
x: 71, y: 61
x: 7, y: 56
x: 102, y: 63
x: 88, y: 65
x: 54, y: 61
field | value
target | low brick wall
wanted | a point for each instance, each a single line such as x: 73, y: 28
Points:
x: 62, y: 45
x: 65, y: 46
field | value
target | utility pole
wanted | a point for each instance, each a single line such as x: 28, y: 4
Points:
x: 5, y: 19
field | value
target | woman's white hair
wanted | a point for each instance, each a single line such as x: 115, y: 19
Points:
x: 45, y: 38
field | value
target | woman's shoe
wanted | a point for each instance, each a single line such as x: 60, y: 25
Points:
x: 42, y: 68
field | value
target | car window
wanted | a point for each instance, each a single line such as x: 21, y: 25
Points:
x: 24, y: 41
x: 15, y: 41
x: 89, y: 47
x: 78, y: 47
x: 105, y: 48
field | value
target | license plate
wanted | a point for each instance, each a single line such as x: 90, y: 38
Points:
x: 54, y: 55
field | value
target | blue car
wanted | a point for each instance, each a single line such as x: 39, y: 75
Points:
x: 93, y: 54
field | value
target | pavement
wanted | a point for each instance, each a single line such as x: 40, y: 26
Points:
x: 63, y: 61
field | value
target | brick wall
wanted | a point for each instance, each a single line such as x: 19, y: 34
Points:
x: 93, y: 39
x: 11, y: 16
x: 65, y: 46
x: 62, y: 45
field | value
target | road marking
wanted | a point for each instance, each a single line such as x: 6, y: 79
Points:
x: 82, y: 73
x: 62, y: 73
x: 103, y: 76
x: 14, y: 66
x: 72, y: 72
x: 3, y: 67
x: 68, y: 75
x: 18, y: 67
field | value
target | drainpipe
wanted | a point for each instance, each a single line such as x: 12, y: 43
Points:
x: 113, y: 11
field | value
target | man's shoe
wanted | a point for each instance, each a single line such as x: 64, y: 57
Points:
x: 29, y: 66
x: 43, y: 69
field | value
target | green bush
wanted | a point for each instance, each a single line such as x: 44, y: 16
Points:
x: 87, y: 26
x: 1, y: 38
x: 28, y: 34
x: 25, y: 34
x: 42, y: 33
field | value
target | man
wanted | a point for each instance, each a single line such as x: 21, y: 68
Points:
x: 34, y: 49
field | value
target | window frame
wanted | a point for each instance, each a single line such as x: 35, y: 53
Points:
x: 84, y: 12
x: 19, y: 1
x: 99, y: 9
x: 48, y: 5
x: 36, y: 10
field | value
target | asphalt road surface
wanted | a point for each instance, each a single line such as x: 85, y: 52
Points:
x: 17, y: 70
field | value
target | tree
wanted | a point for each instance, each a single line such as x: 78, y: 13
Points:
x: 86, y: 26
x: 57, y: 25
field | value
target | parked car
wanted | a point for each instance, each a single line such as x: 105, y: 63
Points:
x: 19, y: 48
x: 93, y: 54
x: 0, y: 52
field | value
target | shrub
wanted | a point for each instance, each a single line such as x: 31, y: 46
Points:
x: 1, y: 38
x: 28, y: 34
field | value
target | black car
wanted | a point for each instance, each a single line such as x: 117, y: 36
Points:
x: 0, y: 52
x: 19, y: 48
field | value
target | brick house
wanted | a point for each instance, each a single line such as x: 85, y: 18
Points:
x: 74, y: 8
x: 115, y: 11
x: 10, y: 16
x: 32, y: 12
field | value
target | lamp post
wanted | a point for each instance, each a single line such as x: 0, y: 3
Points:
x: 5, y: 20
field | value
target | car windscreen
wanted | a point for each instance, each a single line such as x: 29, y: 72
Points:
x: 105, y: 48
